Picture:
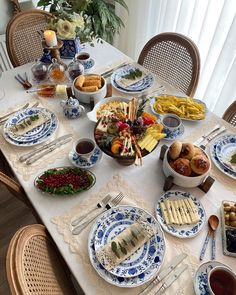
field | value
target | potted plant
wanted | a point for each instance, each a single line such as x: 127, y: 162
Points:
x: 81, y: 21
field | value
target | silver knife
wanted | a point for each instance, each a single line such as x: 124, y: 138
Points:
x: 46, y: 146
x: 209, y: 138
x: 215, y: 128
x: 107, y: 73
x: 5, y: 117
x: 47, y: 151
x: 172, y: 265
x: 170, y: 280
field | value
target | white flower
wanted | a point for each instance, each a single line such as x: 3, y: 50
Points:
x: 78, y: 20
x: 66, y: 29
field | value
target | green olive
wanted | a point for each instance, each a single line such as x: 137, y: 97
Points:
x: 232, y: 216
x: 233, y: 209
x: 233, y: 223
x: 227, y: 216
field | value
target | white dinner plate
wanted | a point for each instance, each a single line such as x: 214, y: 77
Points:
x: 126, y: 215
x: 186, y: 230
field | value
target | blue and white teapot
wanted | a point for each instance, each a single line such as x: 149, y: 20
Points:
x: 71, y: 108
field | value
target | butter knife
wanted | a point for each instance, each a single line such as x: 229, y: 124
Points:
x: 215, y: 128
x: 46, y: 146
x: 170, y: 280
x: 109, y: 72
x: 209, y: 138
x: 172, y: 265
x: 47, y: 151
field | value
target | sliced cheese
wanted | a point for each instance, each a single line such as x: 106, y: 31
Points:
x: 194, y: 212
x: 178, y: 212
x: 164, y: 212
x: 170, y: 215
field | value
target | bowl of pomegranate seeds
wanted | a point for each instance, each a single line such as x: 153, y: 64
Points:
x: 65, y: 181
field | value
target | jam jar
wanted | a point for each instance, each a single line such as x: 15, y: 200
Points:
x: 57, y: 71
x: 75, y: 68
x: 39, y: 70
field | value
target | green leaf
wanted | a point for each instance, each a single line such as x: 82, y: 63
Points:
x: 122, y: 3
x: 233, y: 159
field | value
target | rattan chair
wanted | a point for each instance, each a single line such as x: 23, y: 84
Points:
x: 34, y: 265
x: 175, y: 59
x: 230, y: 114
x: 23, y: 40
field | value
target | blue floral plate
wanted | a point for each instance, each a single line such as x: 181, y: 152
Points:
x: 35, y: 136
x: 201, y: 277
x: 174, y: 135
x: 186, y: 230
x: 82, y: 163
x: 141, y: 85
x: 225, y: 149
x: 217, y: 162
x: 110, y: 224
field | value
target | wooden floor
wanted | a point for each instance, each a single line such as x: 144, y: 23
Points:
x: 13, y: 215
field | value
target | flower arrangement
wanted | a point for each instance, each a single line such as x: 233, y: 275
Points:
x: 87, y: 19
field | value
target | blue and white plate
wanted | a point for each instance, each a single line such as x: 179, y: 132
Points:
x: 217, y: 162
x: 138, y: 87
x: 82, y: 163
x: 225, y: 149
x: 34, y: 136
x: 122, y: 217
x: 186, y: 230
x: 201, y: 277
x: 174, y: 134
x: 142, y: 259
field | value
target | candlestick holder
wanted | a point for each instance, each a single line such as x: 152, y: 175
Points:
x: 54, y: 51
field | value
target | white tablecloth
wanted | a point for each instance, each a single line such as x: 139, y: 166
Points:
x: 147, y: 180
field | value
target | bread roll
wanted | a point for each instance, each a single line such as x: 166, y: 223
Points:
x: 187, y: 151
x: 182, y: 166
x: 79, y: 82
x: 200, y: 164
x: 89, y: 89
x: 198, y: 151
x: 175, y: 150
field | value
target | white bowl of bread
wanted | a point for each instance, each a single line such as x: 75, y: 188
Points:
x: 89, y: 87
x: 188, y: 164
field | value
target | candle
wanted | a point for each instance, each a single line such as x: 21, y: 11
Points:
x: 50, y: 38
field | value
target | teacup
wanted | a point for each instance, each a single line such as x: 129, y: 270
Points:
x: 171, y: 125
x: 84, y: 58
x: 221, y: 280
x: 84, y: 148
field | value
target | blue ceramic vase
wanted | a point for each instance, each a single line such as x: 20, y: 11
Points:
x: 70, y: 48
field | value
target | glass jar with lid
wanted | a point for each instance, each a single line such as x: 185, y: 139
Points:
x: 57, y: 71
x: 75, y: 68
x: 39, y: 70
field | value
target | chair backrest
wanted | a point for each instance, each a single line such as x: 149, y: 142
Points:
x: 23, y: 41
x: 230, y: 114
x: 175, y: 59
x: 34, y: 265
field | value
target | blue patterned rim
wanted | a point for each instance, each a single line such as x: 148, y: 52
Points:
x: 82, y: 163
x: 201, y: 277
x: 138, y: 87
x: 143, y: 277
x: 181, y: 231
x: 225, y: 147
x: 217, y: 162
x: 89, y: 64
x: 35, y: 136
x: 173, y: 135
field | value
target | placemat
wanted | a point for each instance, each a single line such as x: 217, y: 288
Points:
x: 78, y: 244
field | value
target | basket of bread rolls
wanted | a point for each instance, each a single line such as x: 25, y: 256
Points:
x: 89, y: 86
x: 189, y: 165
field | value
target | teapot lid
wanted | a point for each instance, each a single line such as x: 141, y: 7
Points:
x: 72, y: 102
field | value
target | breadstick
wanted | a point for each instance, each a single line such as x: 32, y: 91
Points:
x: 89, y: 88
x: 93, y: 77
x: 79, y: 82
x: 92, y: 83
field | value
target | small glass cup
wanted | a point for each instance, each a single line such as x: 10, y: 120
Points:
x: 57, y: 71
x: 75, y: 69
x: 39, y: 71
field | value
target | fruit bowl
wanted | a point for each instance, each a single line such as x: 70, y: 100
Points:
x: 128, y: 134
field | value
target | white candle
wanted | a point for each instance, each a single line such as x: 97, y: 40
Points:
x: 50, y: 38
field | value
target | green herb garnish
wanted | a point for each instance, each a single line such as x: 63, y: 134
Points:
x: 233, y: 159
x: 134, y: 235
x: 133, y: 74
x: 114, y: 249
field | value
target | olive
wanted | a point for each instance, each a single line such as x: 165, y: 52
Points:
x: 226, y: 216
x: 233, y: 223
x: 227, y: 209
x: 233, y: 209
x: 226, y: 204
x: 232, y: 216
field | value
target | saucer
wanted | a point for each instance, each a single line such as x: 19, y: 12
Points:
x: 200, y: 280
x: 174, y: 135
x: 89, y: 64
x: 82, y: 163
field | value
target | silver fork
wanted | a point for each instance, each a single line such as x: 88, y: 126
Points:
x: 101, y: 204
x: 114, y: 202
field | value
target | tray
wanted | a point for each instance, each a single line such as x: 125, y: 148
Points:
x: 225, y: 228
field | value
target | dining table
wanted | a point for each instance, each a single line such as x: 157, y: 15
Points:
x: 142, y: 186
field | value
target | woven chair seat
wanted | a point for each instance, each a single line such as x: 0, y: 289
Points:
x: 34, y: 266
x: 230, y: 114
x: 23, y: 41
x: 175, y: 59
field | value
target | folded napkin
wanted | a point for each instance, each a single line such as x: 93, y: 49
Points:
x: 125, y: 244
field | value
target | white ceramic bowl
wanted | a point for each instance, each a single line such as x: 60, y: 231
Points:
x: 93, y: 114
x: 181, y: 180
x: 85, y: 97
